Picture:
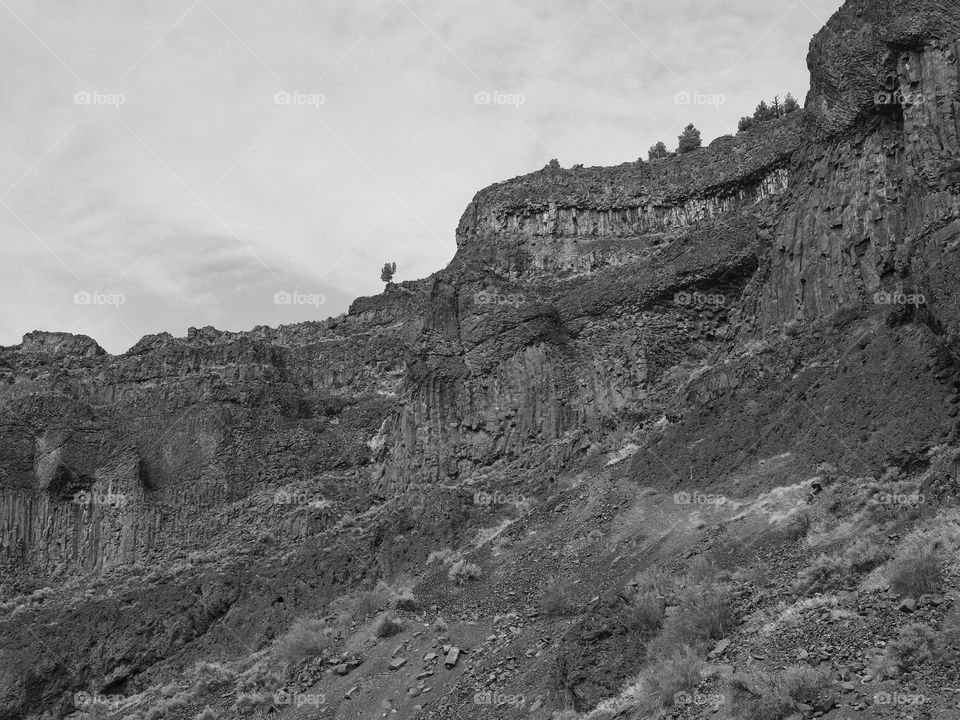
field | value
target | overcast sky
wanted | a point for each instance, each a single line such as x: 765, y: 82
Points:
x: 178, y: 163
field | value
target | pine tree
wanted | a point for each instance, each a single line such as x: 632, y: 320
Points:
x: 790, y: 104
x: 690, y: 139
x: 386, y: 274
x: 658, y: 151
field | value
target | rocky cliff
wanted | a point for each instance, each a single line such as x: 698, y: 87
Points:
x: 786, y: 293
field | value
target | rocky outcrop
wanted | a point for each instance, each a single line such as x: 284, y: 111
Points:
x: 106, y: 460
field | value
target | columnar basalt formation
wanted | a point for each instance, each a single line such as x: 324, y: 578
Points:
x: 701, y: 312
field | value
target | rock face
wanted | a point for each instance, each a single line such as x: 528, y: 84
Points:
x: 104, y: 458
x: 584, y: 308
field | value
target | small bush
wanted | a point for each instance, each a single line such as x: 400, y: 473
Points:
x: 662, y: 681
x: 406, y: 600
x: 643, y: 616
x: 866, y: 554
x: 444, y: 557
x: 658, y: 583
x: 206, y: 714
x: 167, y: 706
x: 462, y: 571
x: 306, y: 639
x: 758, y: 697
x: 825, y: 573
x: 950, y: 632
x: 388, y: 627
x: 918, y: 569
x: 363, y: 603
x: 211, y: 674
x: 763, y: 696
x: 828, y: 573
x: 800, y: 525
x: 915, y: 645
x: 259, y: 679
x: 805, y: 685
x: 250, y: 703
x: 704, y: 613
x: 556, y: 601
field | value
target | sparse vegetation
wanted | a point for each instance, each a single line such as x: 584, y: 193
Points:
x: 643, y: 615
x: 167, y: 706
x: 212, y: 674
x: 767, y: 696
x: 765, y: 113
x: 839, y: 570
x: 306, y: 639
x: 917, y: 569
x: 388, y: 627
x: 915, y: 645
x: 462, y: 571
x: 362, y: 604
x: 255, y: 702
x: 663, y: 681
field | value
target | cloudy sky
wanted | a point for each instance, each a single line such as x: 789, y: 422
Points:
x: 178, y: 163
